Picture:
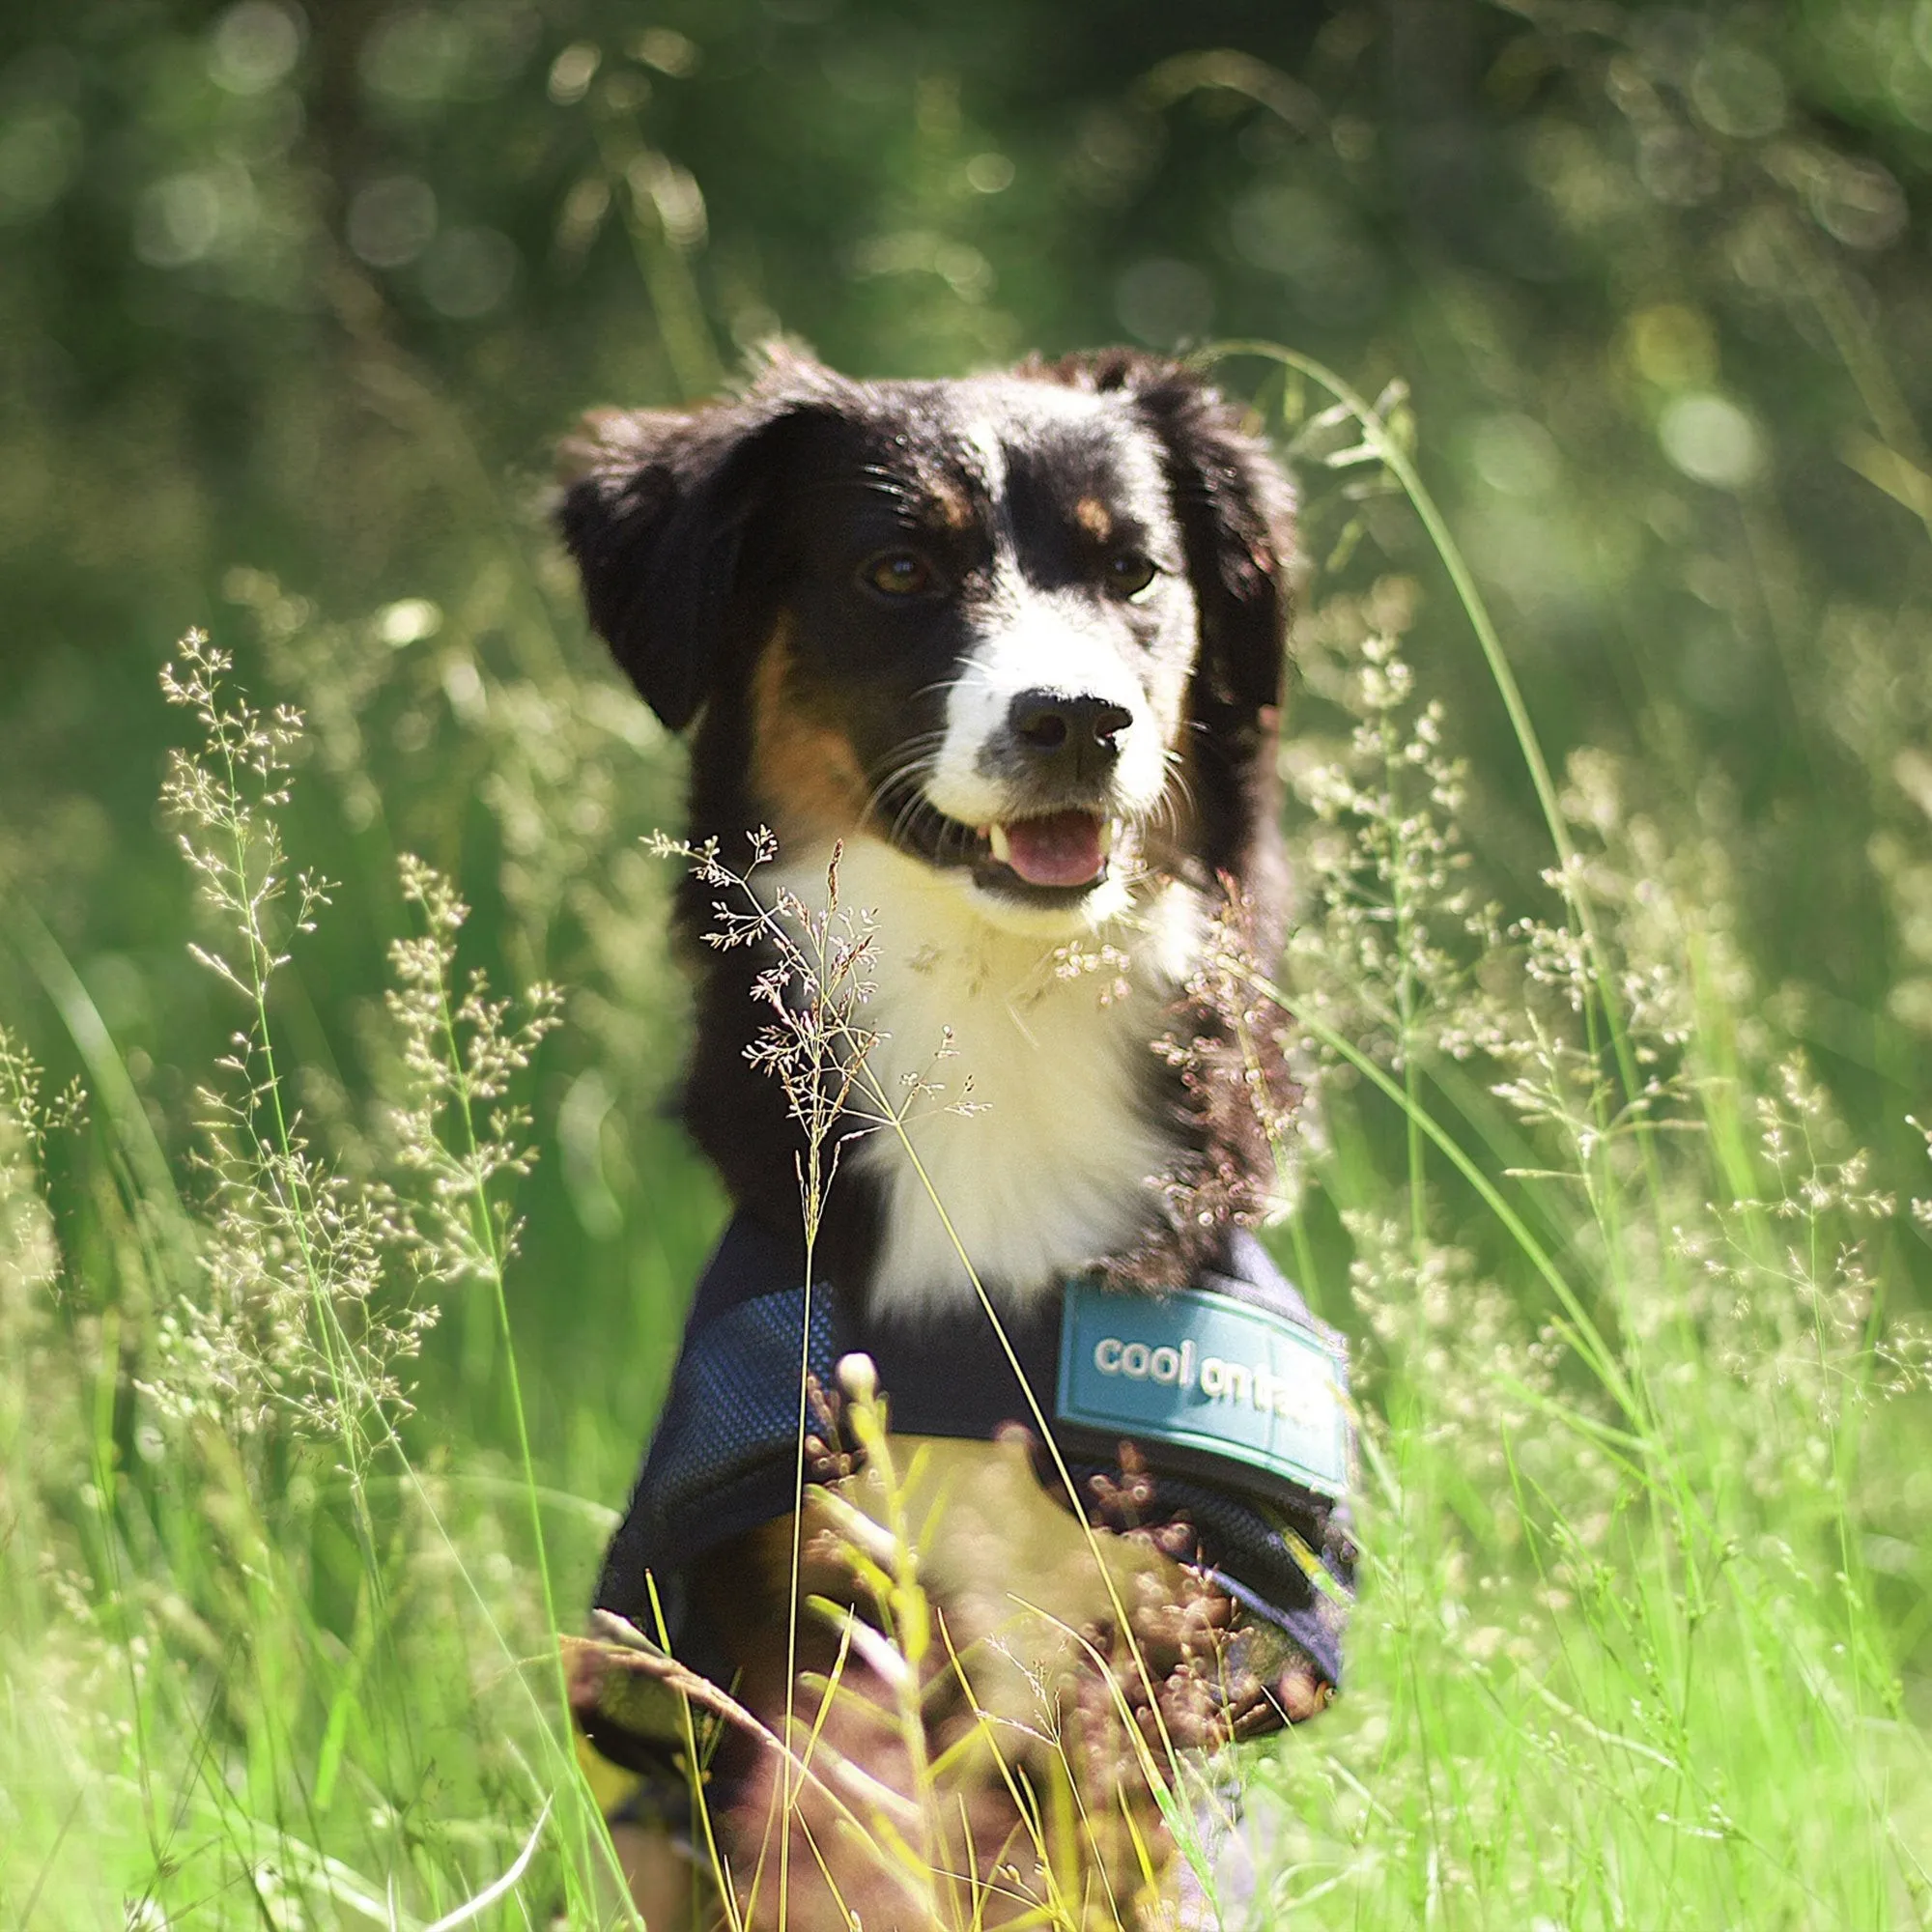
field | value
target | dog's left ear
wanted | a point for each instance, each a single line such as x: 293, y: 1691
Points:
x: 1236, y: 516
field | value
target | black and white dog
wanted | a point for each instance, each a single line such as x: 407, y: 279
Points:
x: 1014, y: 644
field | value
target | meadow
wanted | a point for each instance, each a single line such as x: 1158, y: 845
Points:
x: 344, y: 1233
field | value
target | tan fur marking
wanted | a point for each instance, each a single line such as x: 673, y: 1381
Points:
x: 806, y: 772
x: 950, y: 508
x: 1094, y: 518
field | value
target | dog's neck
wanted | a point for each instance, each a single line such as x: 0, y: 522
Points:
x: 1012, y: 1080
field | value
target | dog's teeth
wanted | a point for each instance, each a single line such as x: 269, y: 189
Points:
x: 996, y: 837
x: 1108, y: 827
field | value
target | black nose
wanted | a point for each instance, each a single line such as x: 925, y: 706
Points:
x: 1069, y: 737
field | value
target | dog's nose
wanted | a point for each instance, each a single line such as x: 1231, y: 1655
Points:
x: 1077, y: 737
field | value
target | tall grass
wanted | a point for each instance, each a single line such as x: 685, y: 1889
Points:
x: 1644, y: 1509
x: 1642, y: 1489
x: 244, y: 1614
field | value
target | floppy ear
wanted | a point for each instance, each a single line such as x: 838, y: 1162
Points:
x: 1236, y: 517
x: 654, y: 511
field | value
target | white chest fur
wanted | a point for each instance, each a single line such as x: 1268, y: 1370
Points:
x: 1034, y: 1135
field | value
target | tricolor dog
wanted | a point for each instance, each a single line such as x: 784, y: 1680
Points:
x: 1009, y: 650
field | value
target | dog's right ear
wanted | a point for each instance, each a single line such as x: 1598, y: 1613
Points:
x: 654, y: 510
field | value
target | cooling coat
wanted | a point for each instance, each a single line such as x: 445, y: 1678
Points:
x: 1273, y: 1532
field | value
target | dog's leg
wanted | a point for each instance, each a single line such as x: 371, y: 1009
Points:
x: 663, y: 1886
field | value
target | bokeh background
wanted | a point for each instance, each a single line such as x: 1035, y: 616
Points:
x: 295, y: 301
x: 295, y: 305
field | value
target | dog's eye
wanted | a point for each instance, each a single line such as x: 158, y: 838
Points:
x: 1131, y: 573
x: 898, y: 573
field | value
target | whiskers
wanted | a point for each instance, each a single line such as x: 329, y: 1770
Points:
x: 897, y: 803
x: 899, y: 809
x: 1175, y: 802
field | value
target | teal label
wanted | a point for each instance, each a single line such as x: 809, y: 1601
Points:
x: 1209, y: 1375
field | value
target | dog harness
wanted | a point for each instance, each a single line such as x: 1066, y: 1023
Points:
x: 1233, y: 1394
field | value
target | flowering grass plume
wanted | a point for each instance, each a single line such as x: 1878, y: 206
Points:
x: 253, y: 1622
x: 299, y: 1314
x: 462, y: 1054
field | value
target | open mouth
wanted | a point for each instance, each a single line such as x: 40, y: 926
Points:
x: 1063, y: 851
x: 1046, y: 857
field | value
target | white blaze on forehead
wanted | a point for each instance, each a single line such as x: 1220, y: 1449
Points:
x: 990, y: 454
x: 1035, y: 646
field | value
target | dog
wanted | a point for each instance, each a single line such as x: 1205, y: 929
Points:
x: 996, y: 663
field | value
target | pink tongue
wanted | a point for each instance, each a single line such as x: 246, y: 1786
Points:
x: 1061, y: 849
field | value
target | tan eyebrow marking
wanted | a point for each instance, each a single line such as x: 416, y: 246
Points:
x: 951, y: 506
x: 1094, y: 518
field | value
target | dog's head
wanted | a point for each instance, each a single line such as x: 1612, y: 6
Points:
x: 1025, y: 628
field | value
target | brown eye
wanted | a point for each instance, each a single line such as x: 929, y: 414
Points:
x: 1129, y: 572
x: 898, y: 573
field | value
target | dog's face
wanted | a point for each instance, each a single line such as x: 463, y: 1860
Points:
x: 979, y: 620
x: 984, y: 594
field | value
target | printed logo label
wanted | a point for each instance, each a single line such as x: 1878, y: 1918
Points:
x: 1206, y: 1372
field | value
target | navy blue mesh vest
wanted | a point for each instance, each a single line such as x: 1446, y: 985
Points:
x: 723, y: 1460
